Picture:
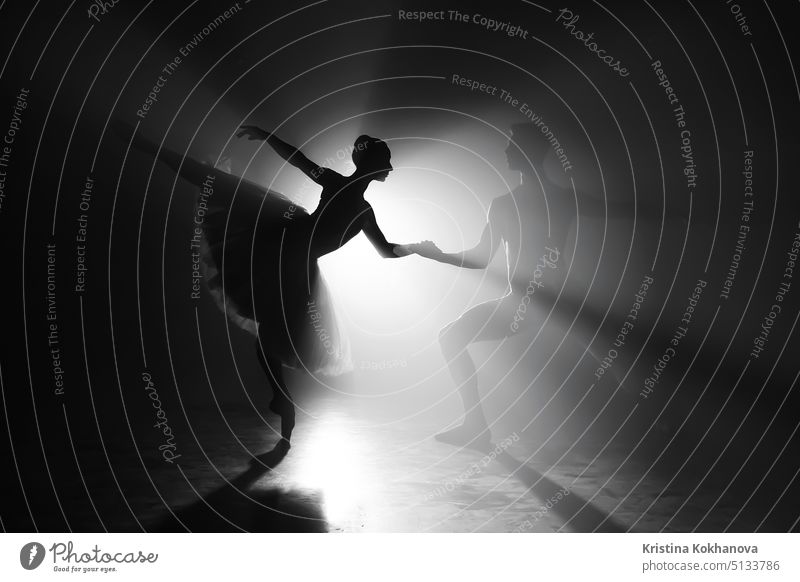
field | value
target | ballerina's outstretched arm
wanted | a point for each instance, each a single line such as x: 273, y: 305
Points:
x: 288, y: 152
x: 374, y: 234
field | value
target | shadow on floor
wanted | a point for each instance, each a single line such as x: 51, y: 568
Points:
x: 581, y: 515
x: 236, y: 507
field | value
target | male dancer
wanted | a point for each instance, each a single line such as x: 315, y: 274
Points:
x: 532, y: 227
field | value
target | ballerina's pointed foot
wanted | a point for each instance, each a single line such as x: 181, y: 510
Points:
x: 284, y: 408
x: 272, y: 457
x: 468, y: 435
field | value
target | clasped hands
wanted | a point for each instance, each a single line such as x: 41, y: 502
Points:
x: 424, y: 248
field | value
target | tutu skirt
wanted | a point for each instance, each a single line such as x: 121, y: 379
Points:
x: 258, y: 268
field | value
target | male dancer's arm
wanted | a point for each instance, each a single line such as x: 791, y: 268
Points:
x: 478, y: 257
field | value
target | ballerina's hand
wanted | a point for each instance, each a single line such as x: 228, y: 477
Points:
x: 402, y: 250
x: 252, y: 132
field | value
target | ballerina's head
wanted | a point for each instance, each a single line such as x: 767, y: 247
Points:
x: 372, y: 158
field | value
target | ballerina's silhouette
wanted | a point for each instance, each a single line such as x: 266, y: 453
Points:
x: 260, y: 251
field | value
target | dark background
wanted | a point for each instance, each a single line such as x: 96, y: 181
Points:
x: 290, y: 75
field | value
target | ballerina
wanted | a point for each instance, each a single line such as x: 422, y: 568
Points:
x: 260, y: 255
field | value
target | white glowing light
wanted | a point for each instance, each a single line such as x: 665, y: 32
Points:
x: 333, y: 462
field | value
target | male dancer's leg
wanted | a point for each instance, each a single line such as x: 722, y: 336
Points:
x: 487, y: 321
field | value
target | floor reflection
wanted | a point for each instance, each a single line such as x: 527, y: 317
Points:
x: 238, y: 506
x: 577, y: 513
x: 352, y: 470
x: 336, y: 462
x: 343, y: 475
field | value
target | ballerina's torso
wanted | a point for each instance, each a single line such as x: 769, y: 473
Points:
x: 339, y: 217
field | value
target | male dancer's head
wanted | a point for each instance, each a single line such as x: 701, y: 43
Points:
x: 526, y: 149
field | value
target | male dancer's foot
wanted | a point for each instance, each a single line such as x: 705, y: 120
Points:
x: 473, y: 433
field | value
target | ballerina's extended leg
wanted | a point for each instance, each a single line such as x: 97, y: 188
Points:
x: 188, y: 168
x: 281, y: 403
